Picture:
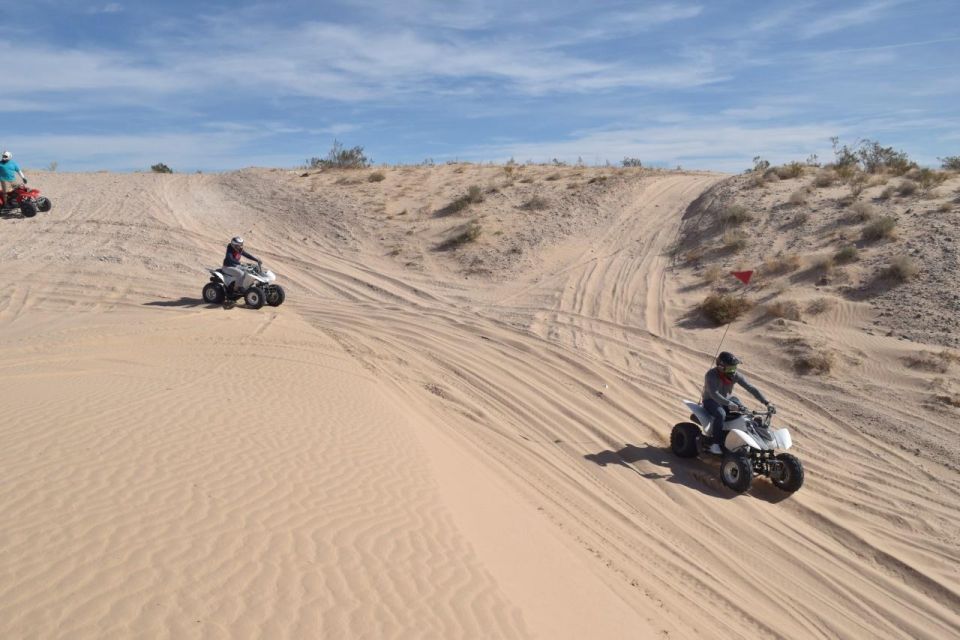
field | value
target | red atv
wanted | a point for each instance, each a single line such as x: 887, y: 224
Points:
x: 28, y: 200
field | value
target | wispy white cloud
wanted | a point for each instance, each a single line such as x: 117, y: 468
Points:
x: 110, y: 7
x: 846, y: 18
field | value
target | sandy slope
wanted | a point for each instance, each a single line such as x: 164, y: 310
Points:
x: 423, y: 443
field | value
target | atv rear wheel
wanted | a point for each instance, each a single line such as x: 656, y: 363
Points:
x: 28, y: 209
x: 789, y: 477
x: 44, y: 204
x: 684, y: 440
x: 736, y: 472
x: 254, y: 298
x: 275, y: 296
x: 213, y: 293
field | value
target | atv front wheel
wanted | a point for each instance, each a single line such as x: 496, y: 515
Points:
x: 44, y: 204
x: 684, y: 440
x: 28, y: 209
x: 213, y: 293
x: 254, y: 298
x: 736, y: 472
x: 789, y: 476
x: 276, y: 296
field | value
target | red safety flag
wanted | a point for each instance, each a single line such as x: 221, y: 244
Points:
x: 742, y: 276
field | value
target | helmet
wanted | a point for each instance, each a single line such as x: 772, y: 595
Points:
x: 6, y: 155
x: 728, y: 362
x: 237, y: 243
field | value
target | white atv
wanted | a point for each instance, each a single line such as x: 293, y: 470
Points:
x: 256, y: 287
x: 749, y: 447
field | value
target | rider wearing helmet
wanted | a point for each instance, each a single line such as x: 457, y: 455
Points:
x: 718, y: 394
x: 8, y: 173
x: 231, y: 263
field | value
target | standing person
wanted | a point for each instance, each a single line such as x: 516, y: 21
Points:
x: 231, y: 265
x: 718, y: 395
x: 8, y: 173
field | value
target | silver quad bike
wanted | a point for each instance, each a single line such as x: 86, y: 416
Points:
x: 749, y: 447
x: 256, y: 287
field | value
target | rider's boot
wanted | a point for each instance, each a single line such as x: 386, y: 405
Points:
x: 715, y: 449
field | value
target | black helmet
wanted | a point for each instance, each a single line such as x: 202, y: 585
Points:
x: 727, y: 359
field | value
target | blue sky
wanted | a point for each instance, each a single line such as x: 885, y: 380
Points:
x: 227, y: 84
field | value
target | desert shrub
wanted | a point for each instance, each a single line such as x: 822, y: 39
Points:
x: 694, y: 255
x: 861, y: 212
x: 778, y: 265
x: 52, y: 166
x: 846, y: 254
x: 527, y: 180
x: 932, y: 362
x: 824, y: 178
x: 901, y: 269
x: 474, y: 195
x: 816, y: 361
x: 880, y: 228
x: 944, y: 207
x: 376, y: 176
x: 632, y: 162
x: 712, y: 274
x: 161, y: 168
x: 820, y: 305
x: 535, y: 203
x: 790, y: 170
x: 878, y: 180
x: 553, y: 176
x: 789, y: 310
x: 846, y: 172
x: 875, y: 158
x: 907, y: 187
x: 950, y: 163
x: 771, y: 176
x: 887, y: 193
x: 339, y: 157
x: 597, y: 179
x: 801, y: 218
x: 722, y: 308
x: 465, y: 235
x: 734, y: 241
x: 756, y: 181
x: 928, y: 178
x: 760, y: 165
x: 823, y: 265
x: 950, y: 399
x: 857, y: 184
x: 735, y: 214
x: 797, y: 198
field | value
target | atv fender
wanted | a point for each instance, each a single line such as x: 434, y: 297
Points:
x: 701, y: 413
x: 782, y: 438
x: 737, y: 439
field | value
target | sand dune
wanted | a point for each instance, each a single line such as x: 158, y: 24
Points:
x: 426, y: 443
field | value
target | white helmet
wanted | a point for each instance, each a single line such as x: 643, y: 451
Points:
x: 6, y: 155
x: 237, y: 243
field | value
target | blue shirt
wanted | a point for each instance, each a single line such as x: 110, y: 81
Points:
x: 9, y: 170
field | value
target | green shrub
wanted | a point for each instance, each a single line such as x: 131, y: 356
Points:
x: 861, y: 212
x: 880, y: 228
x: 825, y: 178
x: 790, y: 170
x: 632, y: 162
x: 161, y: 168
x: 722, y: 308
x: 535, y: 203
x: 339, y: 157
x: 950, y: 163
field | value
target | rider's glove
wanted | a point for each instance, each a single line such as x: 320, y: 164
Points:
x: 772, y: 409
x: 24, y: 181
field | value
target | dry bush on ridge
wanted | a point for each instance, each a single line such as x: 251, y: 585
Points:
x: 888, y: 192
x: 825, y: 178
x: 781, y: 264
x: 880, y: 228
x: 722, y: 308
x: 932, y: 362
x: 735, y: 214
x: 797, y: 198
x: 789, y: 310
x: 790, y: 170
x: 467, y: 234
x: 861, y: 212
x: 376, y: 176
x: 535, y: 203
x: 907, y: 187
x: 712, y: 274
x: 820, y: 305
x: 734, y: 241
x: 473, y: 196
x: 901, y: 269
x: 818, y: 362
x: 846, y: 254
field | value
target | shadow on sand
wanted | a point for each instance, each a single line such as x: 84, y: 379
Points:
x: 182, y: 302
x: 701, y: 475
